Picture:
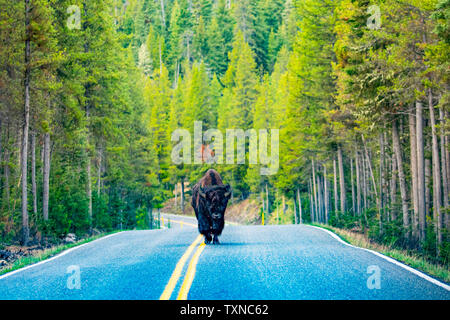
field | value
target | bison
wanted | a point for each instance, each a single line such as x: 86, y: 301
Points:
x: 209, y: 200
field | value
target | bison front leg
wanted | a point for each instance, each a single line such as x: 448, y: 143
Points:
x: 216, y: 239
x: 208, y: 238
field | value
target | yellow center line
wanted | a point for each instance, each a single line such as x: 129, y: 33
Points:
x: 184, y: 222
x: 184, y: 290
x: 177, y: 272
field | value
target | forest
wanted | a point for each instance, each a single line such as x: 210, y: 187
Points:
x: 91, y: 91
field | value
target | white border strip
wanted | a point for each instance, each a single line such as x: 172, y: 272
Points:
x: 404, y: 266
x: 57, y: 256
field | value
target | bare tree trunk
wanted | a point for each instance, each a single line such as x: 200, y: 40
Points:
x: 163, y: 14
x: 99, y: 171
x: 311, y: 201
x: 278, y: 206
x: 26, y: 124
x: 46, y: 176
x: 428, y: 202
x: 89, y: 185
x: 182, y: 195
x: 443, y: 159
x: 295, y: 210
x: 364, y: 185
x: 299, y: 206
x: 381, y: 168
x: 314, y: 190
x: 7, y: 176
x: 176, y: 195
x: 1, y: 160
x: 437, y: 196
x: 358, y: 185
x: 319, y: 200
x: 262, y: 200
x: 401, y: 177
x: 447, y: 150
x: 393, y: 188
x: 420, y: 170
x: 326, y: 196
x: 414, y: 187
x: 369, y: 164
x: 267, y: 200
x: 335, y: 188
x: 341, y: 179
x: 353, y: 187
x: 33, y: 171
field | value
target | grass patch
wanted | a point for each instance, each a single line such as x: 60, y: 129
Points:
x: 48, y: 253
x: 407, y: 257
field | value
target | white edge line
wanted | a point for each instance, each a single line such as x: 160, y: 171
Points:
x: 404, y: 266
x: 57, y: 256
x: 229, y: 223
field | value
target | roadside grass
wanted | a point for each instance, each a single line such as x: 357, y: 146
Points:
x: 48, y: 253
x: 411, y: 259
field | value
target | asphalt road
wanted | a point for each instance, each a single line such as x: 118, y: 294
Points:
x: 252, y: 262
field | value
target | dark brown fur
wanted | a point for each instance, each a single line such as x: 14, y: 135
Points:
x: 209, y: 200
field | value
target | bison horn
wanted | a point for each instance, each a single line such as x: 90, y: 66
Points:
x: 202, y: 192
x: 228, y: 188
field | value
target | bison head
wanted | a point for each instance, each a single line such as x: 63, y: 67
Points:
x: 216, y: 198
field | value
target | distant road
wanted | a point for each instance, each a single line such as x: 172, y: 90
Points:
x: 253, y: 262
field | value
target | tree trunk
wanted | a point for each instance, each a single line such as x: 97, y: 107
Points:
x: 278, y: 206
x: 182, y: 195
x: 443, y: 159
x: 319, y: 200
x: 262, y: 200
x: 33, y: 171
x: 358, y: 185
x: 325, y: 192
x: 315, y: 191
x: 353, y: 187
x: 7, y: 176
x: 372, y: 177
x: 267, y: 201
x: 341, y: 179
x: 364, y: 181
x: 447, y: 150
x: 295, y: 210
x: 300, y: 213
x: 99, y: 171
x: 46, y: 176
x: 381, y: 168
x: 311, y: 201
x: 393, y: 188
x: 163, y: 14
x: 176, y: 195
x: 89, y: 188
x: 335, y: 188
x: 420, y: 170
x: 437, y: 196
x: 26, y: 124
x: 401, y: 177
x: 414, y: 189
x: 428, y: 202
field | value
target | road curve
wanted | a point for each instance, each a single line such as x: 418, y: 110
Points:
x: 253, y: 262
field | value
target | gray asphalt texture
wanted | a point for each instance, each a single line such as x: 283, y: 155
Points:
x: 252, y: 262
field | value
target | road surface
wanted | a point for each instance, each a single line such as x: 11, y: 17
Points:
x: 253, y: 262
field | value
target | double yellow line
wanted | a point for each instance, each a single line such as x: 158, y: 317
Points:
x: 189, y: 277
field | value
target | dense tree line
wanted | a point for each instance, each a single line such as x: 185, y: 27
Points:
x: 358, y: 89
